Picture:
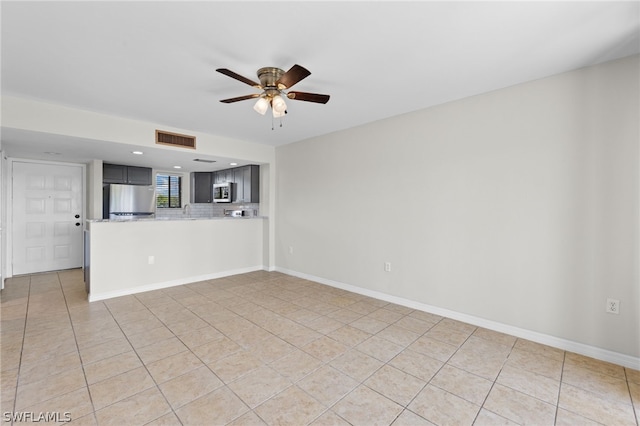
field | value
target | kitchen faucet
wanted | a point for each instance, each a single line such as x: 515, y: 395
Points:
x: 187, y: 210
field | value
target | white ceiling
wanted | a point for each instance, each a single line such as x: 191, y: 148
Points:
x: 156, y: 61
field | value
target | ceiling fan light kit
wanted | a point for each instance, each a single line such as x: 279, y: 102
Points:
x: 261, y: 105
x: 278, y: 114
x: 278, y: 104
x: 274, y: 82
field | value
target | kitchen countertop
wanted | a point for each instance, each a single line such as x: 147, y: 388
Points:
x: 168, y: 219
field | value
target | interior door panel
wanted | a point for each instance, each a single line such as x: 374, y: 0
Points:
x: 46, y: 234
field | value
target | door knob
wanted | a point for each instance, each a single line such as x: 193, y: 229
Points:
x: 77, y: 216
x: 77, y: 223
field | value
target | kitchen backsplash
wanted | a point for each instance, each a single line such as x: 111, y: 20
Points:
x: 204, y: 210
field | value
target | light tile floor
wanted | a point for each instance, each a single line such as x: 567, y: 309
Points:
x: 267, y: 348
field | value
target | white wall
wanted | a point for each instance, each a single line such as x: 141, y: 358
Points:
x: 184, y: 251
x: 3, y: 216
x: 518, y: 206
x: 94, y: 189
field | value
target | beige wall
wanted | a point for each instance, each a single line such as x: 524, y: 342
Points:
x: 518, y: 206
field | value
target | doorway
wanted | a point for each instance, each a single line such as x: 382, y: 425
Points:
x: 47, y: 216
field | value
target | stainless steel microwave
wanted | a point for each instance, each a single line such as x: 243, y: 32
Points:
x: 222, y: 192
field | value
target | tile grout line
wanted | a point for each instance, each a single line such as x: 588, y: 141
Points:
x: 126, y: 336
x: 224, y: 384
x: 387, y: 363
x: 406, y: 407
x: 494, y: 382
x: 564, y: 360
x: 635, y: 412
x: 264, y: 363
x: 24, y: 333
x: 447, y: 363
x: 24, y: 337
x: 327, y: 363
x: 362, y: 382
x: 75, y: 339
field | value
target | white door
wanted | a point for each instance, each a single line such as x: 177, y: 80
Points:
x: 46, y: 217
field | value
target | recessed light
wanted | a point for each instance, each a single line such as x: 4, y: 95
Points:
x: 233, y: 164
x: 137, y: 152
x: 177, y: 167
x: 53, y: 153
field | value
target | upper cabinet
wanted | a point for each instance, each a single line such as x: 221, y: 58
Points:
x: 139, y: 176
x: 223, y: 176
x: 132, y: 175
x: 201, y: 187
x: 246, y: 188
x: 114, y: 173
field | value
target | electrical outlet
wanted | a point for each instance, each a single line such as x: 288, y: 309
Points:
x: 152, y: 260
x: 387, y: 266
x: 290, y: 249
x: 613, y: 306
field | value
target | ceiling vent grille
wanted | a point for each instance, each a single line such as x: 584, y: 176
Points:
x: 175, y: 139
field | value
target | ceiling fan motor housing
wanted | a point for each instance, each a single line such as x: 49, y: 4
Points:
x: 268, y: 77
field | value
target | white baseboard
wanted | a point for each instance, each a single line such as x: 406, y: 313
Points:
x: 94, y: 297
x: 545, y: 339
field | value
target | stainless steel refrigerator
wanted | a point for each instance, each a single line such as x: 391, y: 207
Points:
x: 130, y: 202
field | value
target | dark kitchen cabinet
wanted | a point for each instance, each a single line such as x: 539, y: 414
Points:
x: 245, y: 178
x: 114, y: 173
x: 132, y: 175
x: 247, y: 188
x: 223, y: 176
x: 238, y: 190
x: 202, y: 187
x: 139, y: 176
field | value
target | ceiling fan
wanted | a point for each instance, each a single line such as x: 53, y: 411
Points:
x: 275, y: 84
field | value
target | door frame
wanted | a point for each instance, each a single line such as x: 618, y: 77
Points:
x: 9, y: 204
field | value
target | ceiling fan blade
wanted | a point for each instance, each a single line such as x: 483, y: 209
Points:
x: 238, y: 77
x: 240, y: 98
x: 309, y: 97
x: 291, y: 77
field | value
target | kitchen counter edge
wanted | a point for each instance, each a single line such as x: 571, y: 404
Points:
x: 176, y: 219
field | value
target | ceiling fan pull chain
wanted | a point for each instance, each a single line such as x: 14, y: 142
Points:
x: 272, y: 124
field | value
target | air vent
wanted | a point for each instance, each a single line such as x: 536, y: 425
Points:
x: 175, y: 139
x: 202, y: 160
